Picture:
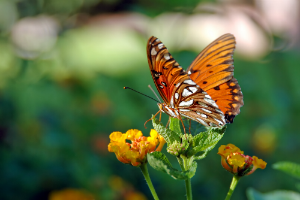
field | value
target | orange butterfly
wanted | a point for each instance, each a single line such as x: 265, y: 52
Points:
x: 207, y: 92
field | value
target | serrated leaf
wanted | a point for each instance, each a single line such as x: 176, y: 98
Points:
x: 160, y: 162
x: 175, y: 125
x: 206, y: 141
x: 253, y: 194
x: 290, y: 168
x: 168, y: 135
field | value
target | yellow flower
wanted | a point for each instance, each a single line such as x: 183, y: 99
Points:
x: 134, y: 152
x: 225, y: 150
x: 234, y: 161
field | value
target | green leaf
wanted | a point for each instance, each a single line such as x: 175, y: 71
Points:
x: 253, y: 194
x: 290, y: 168
x: 168, y: 135
x: 160, y: 162
x: 175, y: 125
x: 205, y: 141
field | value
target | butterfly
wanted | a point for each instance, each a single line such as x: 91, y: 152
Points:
x: 206, y: 92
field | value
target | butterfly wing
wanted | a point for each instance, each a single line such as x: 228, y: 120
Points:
x: 213, y: 69
x: 181, y: 95
x: 165, y: 71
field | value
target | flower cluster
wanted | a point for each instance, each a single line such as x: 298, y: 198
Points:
x: 180, y: 147
x: 234, y: 161
x: 132, y: 147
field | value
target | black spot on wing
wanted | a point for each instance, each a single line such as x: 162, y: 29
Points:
x: 229, y: 118
x: 217, y: 88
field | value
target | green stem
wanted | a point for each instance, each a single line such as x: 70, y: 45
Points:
x: 233, y: 184
x: 185, y: 166
x: 148, y: 180
x: 188, y: 188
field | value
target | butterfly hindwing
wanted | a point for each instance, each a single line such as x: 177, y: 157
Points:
x: 228, y: 97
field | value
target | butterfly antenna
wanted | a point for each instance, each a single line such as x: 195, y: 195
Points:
x: 142, y: 94
x: 149, y: 86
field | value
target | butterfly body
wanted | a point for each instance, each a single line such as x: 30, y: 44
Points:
x: 206, y: 92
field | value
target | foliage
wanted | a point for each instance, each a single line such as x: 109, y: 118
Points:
x: 290, y: 168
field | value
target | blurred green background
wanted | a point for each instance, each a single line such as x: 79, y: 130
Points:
x: 63, y: 66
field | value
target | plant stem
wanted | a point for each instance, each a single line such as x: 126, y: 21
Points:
x: 148, y: 180
x: 233, y: 184
x: 185, y: 166
x: 188, y: 188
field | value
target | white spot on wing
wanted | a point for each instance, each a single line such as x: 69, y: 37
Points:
x: 186, y: 103
x: 220, y: 123
x: 153, y: 52
x: 160, y: 46
x: 210, y: 101
x: 177, y: 85
x: 202, y: 115
x: 202, y: 122
x: 176, y: 95
x: 193, y: 89
x: 207, y: 96
x: 172, y: 103
x: 190, y: 82
x: 157, y: 40
x: 189, y: 72
x: 208, y: 111
x: 186, y: 93
x: 167, y: 56
x: 184, y: 110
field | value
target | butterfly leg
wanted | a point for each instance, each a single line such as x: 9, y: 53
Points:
x: 153, y: 117
x: 182, y: 124
x: 168, y: 122
x: 159, y: 115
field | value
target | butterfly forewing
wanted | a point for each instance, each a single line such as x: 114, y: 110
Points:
x: 165, y: 71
